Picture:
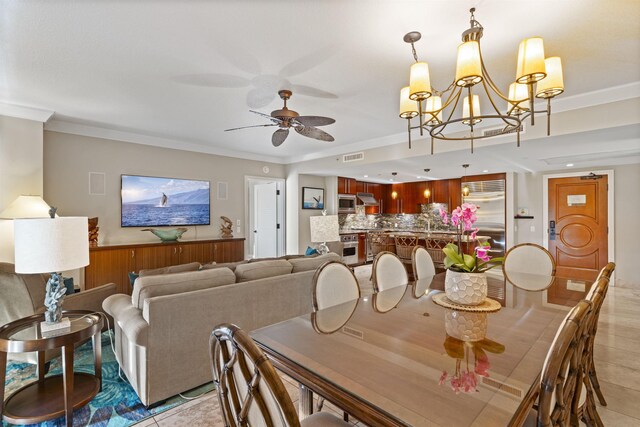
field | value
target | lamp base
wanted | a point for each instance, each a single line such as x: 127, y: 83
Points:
x: 323, y: 248
x: 57, y: 328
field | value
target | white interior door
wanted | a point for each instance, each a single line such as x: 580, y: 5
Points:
x: 265, y: 232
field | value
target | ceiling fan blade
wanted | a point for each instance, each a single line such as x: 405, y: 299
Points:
x: 273, y: 119
x: 314, y: 120
x: 279, y: 136
x: 312, y: 91
x: 254, y: 126
x: 315, y: 133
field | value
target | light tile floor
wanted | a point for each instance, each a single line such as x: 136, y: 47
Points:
x: 617, y: 357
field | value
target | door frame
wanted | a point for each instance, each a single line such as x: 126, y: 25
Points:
x: 610, y: 209
x: 280, y: 185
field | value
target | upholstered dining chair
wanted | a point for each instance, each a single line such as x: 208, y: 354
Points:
x: 334, y: 283
x: 422, y: 263
x: 388, y: 272
x: 529, y: 258
x: 249, y: 388
x: 560, y: 384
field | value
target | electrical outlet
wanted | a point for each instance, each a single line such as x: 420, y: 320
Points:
x: 238, y: 222
x: 237, y: 230
x: 532, y: 228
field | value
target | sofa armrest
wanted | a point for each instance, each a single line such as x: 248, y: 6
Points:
x: 128, y: 318
x: 90, y: 299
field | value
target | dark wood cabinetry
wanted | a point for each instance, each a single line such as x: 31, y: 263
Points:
x: 112, y: 264
x: 347, y: 185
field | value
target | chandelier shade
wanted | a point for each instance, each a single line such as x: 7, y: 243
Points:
x: 531, y: 67
x: 433, y: 109
x: 469, y: 66
x: 553, y: 84
x: 470, y: 112
x: 419, y: 81
x: 518, y: 93
x: 408, y: 108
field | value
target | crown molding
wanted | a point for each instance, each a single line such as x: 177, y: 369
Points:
x: 23, y: 112
x: 139, y: 138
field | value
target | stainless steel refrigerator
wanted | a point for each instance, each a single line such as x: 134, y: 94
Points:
x: 490, y: 198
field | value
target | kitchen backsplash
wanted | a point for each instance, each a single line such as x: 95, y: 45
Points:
x: 360, y: 220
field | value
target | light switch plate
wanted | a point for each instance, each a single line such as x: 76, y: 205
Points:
x: 532, y: 228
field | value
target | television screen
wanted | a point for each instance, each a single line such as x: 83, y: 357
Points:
x: 152, y: 202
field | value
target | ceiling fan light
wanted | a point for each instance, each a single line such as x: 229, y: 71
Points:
x: 419, y: 82
x: 553, y: 84
x: 466, y: 115
x: 531, y: 66
x: 432, y: 105
x: 408, y: 108
x: 469, y: 66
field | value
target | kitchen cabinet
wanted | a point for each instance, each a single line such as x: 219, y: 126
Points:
x: 362, y: 248
x: 347, y: 185
x: 112, y: 264
x: 455, y: 193
x: 377, y: 190
x: 440, y: 192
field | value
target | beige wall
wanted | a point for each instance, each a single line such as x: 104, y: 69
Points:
x: 20, y: 170
x: 626, y: 207
x: 68, y: 159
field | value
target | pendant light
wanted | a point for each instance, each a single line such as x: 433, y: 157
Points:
x: 427, y: 192
x: 465, y: 189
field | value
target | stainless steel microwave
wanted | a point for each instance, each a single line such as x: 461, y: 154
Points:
x: 346, y: 203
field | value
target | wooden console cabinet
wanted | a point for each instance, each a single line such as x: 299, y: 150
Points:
x: 112, y: 264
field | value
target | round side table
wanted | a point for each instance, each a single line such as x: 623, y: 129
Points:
x: 58, y: 395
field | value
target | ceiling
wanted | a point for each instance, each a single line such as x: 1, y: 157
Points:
x: 185, y: 71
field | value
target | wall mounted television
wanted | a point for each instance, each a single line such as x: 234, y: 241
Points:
x: 154, y: 202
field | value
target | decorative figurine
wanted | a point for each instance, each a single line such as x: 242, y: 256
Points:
x: 53, y: 299
x: 93, y: 232
x: 171, y: 235
x: 226, y: 229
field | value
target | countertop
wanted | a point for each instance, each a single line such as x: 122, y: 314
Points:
x: 422, y: 233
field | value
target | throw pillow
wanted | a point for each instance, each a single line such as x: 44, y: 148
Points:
x: 132, y: 278
x: 311, y: 251
x: 68, y: 283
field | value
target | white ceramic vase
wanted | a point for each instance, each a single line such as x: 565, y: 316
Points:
x: 465, y: 288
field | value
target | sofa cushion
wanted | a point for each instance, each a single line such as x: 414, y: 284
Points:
x: 230, y: 265
x: 169, y: 284
x: 262, y: 269
x: 307, y: 263
x: 192, y: 266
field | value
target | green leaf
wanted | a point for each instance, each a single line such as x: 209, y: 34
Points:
x: 451, y: 251
x: 469, y: 261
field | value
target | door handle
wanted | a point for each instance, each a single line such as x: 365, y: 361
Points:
x: 180, y: 250
x: 133, y: 253
x: 174, y: 250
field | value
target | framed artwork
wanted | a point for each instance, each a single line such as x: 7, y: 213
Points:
x: 312, y: 198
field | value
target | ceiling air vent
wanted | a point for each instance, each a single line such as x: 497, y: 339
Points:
x: 353, y: 157
x: 498, y: 131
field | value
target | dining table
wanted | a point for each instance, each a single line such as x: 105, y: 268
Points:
x: 397, y: 358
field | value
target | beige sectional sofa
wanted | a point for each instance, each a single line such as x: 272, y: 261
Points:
x: 162, y: 330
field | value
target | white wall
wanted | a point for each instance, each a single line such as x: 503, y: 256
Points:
x: 626, y: 205
x: 21, y: 170
x: 68, y: 159
x: 304, y: 230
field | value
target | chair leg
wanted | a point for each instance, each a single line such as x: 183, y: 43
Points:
x: 593, y: 377
x: 345, y: 417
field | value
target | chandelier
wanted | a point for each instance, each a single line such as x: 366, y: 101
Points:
x: 536, y: 77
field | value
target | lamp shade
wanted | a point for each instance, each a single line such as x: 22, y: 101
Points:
x: 432, y: 105
x: 408, y: 107
x: 419, y: 81
x: 469, y: 66
x: 26, y: 207
x: 553, y: 84
x: 466, y: 114
x: 531, y: 67
x: 51, y: 245
x: 324, y: 228
x: 517, y: 94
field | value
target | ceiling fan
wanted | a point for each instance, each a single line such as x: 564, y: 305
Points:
x: 286, y: 119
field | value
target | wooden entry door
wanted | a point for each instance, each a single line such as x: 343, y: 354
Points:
x: 578, y: 209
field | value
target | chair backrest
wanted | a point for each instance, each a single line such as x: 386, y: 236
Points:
x: 529, y: 258
x: 562, y: 371
x: 21, y: 295
x: 334, y: 283
x: 249, y: 388
x: 606, y: 272
x: 388, y: 272
x: 381, y: 242
x: 405, y: 245
x: 422, y: 263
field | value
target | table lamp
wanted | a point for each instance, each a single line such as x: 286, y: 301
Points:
x: 324, y: 229
x: 51, y: 245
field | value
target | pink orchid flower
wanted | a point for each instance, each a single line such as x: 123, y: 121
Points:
x: 482, y: 253
x: 475, y: 233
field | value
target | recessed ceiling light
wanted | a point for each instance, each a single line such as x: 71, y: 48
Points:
x: 390, y: 179
x: 569, y: 165
x: 366, y: 176
x: 418, y: 177
x: 485, y: 171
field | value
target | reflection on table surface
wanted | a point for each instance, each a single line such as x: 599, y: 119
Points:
x: 421, y: 364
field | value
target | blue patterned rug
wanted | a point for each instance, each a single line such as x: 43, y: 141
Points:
x: 117, y: 405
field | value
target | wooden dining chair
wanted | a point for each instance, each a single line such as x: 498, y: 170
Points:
x: 560, y: 384
x: 388, y: 272
x: 529, y: 258
x: 334, y: 283
x: 249, y: 389
x: 404, y: 247
x: 422, y: 263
